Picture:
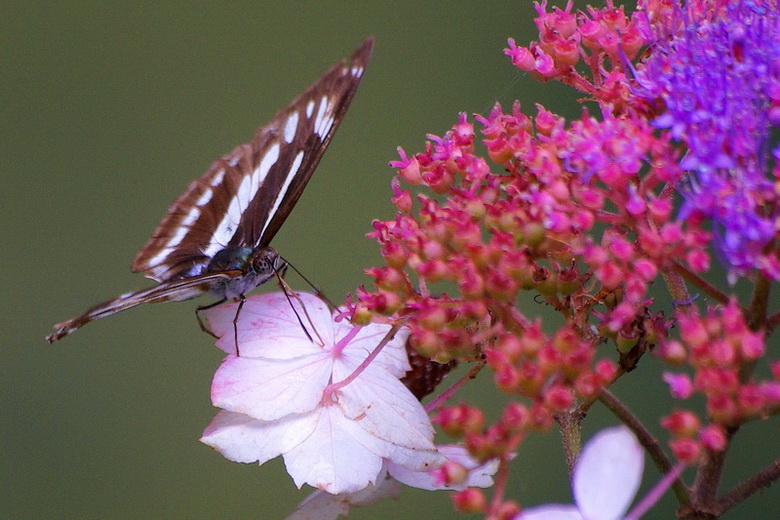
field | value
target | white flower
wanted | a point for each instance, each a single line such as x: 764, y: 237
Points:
x: 323, y: 506
x: 606, y: 478
x: 278, y: 397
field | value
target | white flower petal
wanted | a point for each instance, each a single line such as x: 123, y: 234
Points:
x: 269, y: 389
x: 320, y: 505
x: 480, y: 475
x: 267, y: 325
x: 386, y: 409
x: 608, y: 474
x: 392, y: 358
x: 242, y: 439
x: 331, y: 459
x: 551, y: 512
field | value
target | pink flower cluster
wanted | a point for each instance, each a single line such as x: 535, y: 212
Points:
x: 601, y: 38
x: 721, y: 350
x: 579, y: 216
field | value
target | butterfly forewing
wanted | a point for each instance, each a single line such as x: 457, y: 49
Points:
x: 239, y: 203
x: 314, y: 115
x: 244, y: 198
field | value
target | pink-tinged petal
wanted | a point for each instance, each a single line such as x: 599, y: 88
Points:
x: 268, y: 389
x: 320, y: 505
x: 551, y: 512
x: 608, y: 474
x: 242, y: 439
x: 393, y: 357
x: 480, y: 475
x: 268, y: 327
x: 332, y: 459
x: 384, y: 408
x: 680, y: 385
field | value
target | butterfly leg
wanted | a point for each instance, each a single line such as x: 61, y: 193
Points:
x: 288, y: 291
x: 235, y: 323
x: 203, y: 326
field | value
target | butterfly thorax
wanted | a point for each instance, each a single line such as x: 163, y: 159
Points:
x: 257, y: 266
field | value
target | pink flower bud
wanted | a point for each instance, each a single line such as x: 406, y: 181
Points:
x: 606, y: 371
x: 522, y: 57
x: 507, y: 378
x: 559, y: 399
x: 673, y: 352
x: 713, y: 437
x: 587, y: 386
x: 752, y: 346
x: 470, y: 500
x: 721, y: 408
x: 682, y: 423
x: 457, y: 420
x: 452, y: 474
x: 751, y: 400
x: 687, y: 451
x: 515, y: 417
x: 510, y: 346
x: 425, y: 342
x: 680, y: 385
x: 660, y: 210
x: 771, y: 391
x: 591, y: 32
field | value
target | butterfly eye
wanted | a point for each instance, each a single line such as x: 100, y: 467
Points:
x: 265, y: 261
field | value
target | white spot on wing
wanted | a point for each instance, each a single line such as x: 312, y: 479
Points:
x: 181, y: 231
x: 158, y: 259
x: 191, y: 217
x: 296, y: 164
x: 322, y: 115
x: 357, y: 71
x: 204, y: 198
x: 268, y: 160
x: 176, y: 239
x: 326, y: 124
x: 217, y: 180
x: 309, y: 109
x: 290, y: 127
x: 246, y: 192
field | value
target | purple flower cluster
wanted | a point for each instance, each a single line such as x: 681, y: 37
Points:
x: 719, y: 81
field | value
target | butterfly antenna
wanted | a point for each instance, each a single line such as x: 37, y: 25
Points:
x: 321, y: 295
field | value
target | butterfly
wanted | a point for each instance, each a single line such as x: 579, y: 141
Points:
x: 215, y: 237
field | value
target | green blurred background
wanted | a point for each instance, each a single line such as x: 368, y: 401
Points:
x: 108, y: 111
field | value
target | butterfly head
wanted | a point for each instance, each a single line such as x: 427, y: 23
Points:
x: 265, y: 262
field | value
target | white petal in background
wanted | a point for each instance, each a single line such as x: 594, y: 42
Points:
x: 608, y: 474
x: 606, y: 478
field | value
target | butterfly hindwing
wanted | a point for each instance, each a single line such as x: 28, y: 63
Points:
x: 168, y: 291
